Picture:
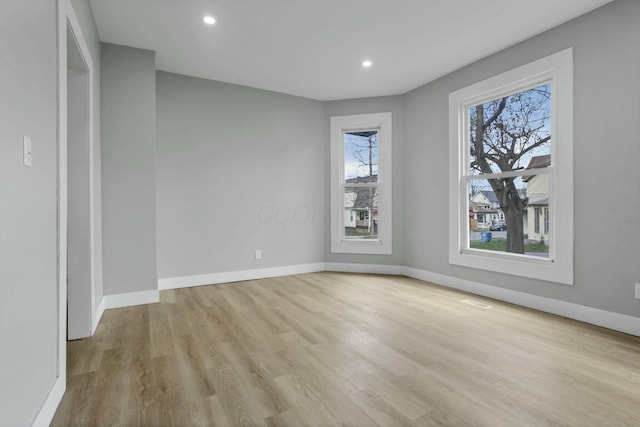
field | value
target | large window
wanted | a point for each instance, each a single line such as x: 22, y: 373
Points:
x: 361, y: 183
x: 512, y: 157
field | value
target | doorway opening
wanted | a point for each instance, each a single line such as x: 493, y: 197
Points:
x: 80, y: 275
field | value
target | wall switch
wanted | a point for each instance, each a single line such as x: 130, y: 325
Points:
x: 258, y: 253
x: 26, y: 151
x: 637, y: 290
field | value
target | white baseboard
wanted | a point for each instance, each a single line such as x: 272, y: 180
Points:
x: 98, y: 315
x: 237, y: 276
x: 607, y: 319
x: 50, y: 405
x: 365, y: 268
x: 131, y: 298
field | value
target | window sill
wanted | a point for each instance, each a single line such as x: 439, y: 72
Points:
x: 552, y: 270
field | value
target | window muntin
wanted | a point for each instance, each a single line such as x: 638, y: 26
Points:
x: 539, y: 99
x: 361, y: 183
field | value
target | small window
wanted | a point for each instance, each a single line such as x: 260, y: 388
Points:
x: 512, y: 140
x: 361, y: 183
x: 546, y: 221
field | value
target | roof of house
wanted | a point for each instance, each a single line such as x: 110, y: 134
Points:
x: 540, y: 162
x: 541, y: 202
x: 492, y: 198
x: 363, y: 198
x: 490, y: 195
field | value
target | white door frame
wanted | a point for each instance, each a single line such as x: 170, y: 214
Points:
x: 80, y: 251
x: 67, y: 21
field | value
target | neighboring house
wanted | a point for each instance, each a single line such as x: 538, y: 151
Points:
x: 487, y: 197
x: 360, y: 206
x: 538, y: 207
x: 486, y: 209
x: 484, y: 215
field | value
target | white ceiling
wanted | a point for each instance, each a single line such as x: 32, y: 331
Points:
x: 314, y: 48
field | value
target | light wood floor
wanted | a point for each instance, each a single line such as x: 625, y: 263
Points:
x: 345, y: 349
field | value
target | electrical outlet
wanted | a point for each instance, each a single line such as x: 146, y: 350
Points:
x: 258, y: 253
x: 637, y: 290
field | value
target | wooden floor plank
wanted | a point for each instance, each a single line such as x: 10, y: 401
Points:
x: 346, y: 349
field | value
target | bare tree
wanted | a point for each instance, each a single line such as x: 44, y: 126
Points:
x: 474, y: 188
x: 366, y: 151
x: 504, y: 133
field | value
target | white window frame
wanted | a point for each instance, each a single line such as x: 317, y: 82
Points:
x: 557, y: 70
x: 339, y: 125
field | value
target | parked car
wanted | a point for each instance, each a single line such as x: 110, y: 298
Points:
x: 498, y: 226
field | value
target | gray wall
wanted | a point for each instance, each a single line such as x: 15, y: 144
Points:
x: 391, y: 104
x: 238, y: 169
x: 606, y: 151
x: 28, y: 213
x: 83, y: 12
x: 128, y: 169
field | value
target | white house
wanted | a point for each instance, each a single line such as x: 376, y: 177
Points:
x: 538, y: 207
x: 486, y: 209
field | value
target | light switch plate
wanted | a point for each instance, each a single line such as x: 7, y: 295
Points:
x: 27, y: 152
x: 637, y: 290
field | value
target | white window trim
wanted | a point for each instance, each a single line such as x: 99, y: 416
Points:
x: 340, y: 124
x: 558, y: 70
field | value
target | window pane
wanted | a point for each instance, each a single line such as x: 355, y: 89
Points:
x: 360, y: 213
x: 507, y: 214
x: 511, y: 133
x: 361, y: 156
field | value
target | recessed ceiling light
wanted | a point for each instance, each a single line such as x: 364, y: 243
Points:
x: 209, y: 20
x: 367, y: 64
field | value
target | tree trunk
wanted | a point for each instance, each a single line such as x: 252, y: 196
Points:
x: 513, y: 207
x: 515, y: 230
